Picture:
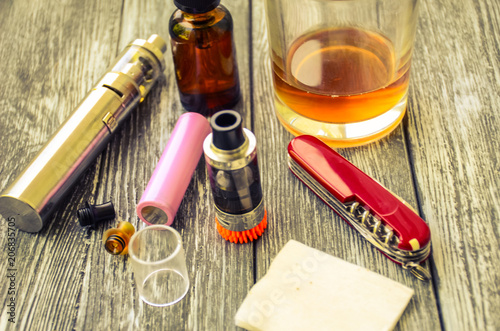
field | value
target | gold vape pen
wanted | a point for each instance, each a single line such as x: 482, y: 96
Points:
x: 33, y: 196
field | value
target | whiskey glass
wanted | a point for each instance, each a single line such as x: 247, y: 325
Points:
x: 341, y: 69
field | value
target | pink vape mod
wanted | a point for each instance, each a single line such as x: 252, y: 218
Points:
x: 165, y: 190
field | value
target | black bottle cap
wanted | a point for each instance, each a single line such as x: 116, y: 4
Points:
x: 196, y: 6
x: 227, y: 133
x: 93, y: 214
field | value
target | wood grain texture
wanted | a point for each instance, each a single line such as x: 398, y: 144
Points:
x: 94, y: 286
x: 296, y: 213
x: 454, y: 144
x: 220, y: 273
x: 444, y: 159
x: 50, y: 60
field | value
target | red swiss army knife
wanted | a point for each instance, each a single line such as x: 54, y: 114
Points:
x: 385, y: 220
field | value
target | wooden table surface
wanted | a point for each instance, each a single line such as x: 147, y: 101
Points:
x: 444, y: 159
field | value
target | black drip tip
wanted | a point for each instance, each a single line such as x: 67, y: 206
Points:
x: 227, y: 131
x: 93, y: 214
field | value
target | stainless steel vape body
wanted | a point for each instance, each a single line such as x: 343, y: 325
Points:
x: 32, y: 197
x: 235, y: 171
x: 231, y: 159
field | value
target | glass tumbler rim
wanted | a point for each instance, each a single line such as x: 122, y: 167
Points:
x: 171, y: 256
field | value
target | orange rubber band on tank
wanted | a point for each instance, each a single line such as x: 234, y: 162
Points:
x: 240, y: 237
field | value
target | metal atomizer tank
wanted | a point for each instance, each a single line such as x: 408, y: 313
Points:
x: 33, y: 196
x: 231, y: 158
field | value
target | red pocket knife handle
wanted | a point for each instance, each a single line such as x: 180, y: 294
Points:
x: 348, y: 184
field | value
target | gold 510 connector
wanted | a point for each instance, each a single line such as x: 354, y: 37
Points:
x: 116, y: 239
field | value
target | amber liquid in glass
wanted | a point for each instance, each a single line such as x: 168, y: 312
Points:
x: 205, y: 60
x: 341, y: 75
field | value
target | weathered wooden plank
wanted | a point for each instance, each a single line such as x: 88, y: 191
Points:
x: 54, y: 52
x: 103, y: 296
x: 296, y: 213
x: 50, y: 60
x: 220, y: 273
x: 454, y: 144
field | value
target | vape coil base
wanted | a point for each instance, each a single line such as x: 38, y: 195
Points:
x: 242, y: 236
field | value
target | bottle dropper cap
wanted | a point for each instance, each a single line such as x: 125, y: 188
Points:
x: 93, y: 214
x: 227, y: 130
x: 196, y: 6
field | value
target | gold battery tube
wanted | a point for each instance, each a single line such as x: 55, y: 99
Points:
x: 33, y: 196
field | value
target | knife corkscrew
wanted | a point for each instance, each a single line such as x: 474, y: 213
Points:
x: 379, y: 216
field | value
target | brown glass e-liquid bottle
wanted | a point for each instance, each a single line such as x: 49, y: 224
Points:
x: 201, y: 35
